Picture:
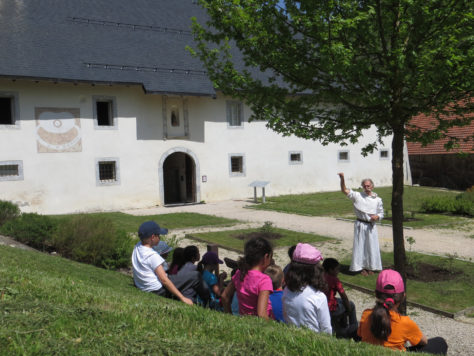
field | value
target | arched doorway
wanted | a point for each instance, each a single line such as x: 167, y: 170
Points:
x: 179, y: 174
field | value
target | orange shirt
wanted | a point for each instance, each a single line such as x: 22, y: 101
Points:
x: 403, y: 329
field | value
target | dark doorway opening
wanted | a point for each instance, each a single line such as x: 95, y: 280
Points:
x: 179, y: 176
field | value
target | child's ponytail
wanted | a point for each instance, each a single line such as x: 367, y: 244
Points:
x: 380, y: 319
x: 254, y: 251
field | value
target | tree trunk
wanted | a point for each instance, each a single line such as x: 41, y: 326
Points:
x: 399, y: 255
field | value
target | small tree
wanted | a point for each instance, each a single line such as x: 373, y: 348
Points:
x: 328, y: 70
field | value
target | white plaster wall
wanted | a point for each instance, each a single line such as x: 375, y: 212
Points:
x: 66, y: 182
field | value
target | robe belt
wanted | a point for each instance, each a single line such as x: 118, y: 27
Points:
x: 365, y: 221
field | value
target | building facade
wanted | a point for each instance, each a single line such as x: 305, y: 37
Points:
x: 104, y: 109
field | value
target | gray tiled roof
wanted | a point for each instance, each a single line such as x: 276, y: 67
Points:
x: 112, y: 41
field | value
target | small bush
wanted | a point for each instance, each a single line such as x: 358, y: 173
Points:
x: 8, y: 211
x: 462, y: 204
x: 31, y: 229
x: 94, y: 240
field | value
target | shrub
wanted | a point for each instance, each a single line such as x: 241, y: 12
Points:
x: 94, y: 240
x: 31, y: 229
x: 462, y: 204
x: 465, y: 203
x: 8, y: 211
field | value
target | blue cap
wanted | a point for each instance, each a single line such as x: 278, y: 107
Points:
x: 162, y: 247
x: 149, y: 228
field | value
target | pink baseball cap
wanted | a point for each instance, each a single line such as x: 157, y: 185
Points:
x: 392, y: 278
x: 305, y: 253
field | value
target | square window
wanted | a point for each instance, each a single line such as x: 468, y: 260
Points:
x: 9, y: 110
x: 236, y: 164
x: 384, y: 154
x: 104, y: 112
x: 11, y: 170
x: 107, y: 171
x: 6, y: 111
x: 343, y: 156
x: 234, y: 113
x: 295, y: 157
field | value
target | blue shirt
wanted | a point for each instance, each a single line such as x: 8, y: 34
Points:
x: 277, y: 307
x: 211, y: 280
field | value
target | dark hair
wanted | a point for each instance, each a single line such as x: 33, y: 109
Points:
x: 178, y: 258
x: 191, y: 253
x: 255, y: 250
x: 291, y: 250
x: 329, y: 264
x: 300, y: 275
x: 380, y: 319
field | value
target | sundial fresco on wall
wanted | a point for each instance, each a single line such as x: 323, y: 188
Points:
x: 58, y: 130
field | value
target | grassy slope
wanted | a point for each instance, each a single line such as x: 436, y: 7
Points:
x: 49, y: 305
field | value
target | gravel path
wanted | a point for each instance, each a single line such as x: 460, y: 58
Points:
x: 458, y: 332
x: 438, y: 242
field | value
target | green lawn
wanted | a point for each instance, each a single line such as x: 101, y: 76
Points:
x: 452, y: 295
x: 228, y: 238
x: 130, y: 223
x: 336, y: 204
x: 53, y: 306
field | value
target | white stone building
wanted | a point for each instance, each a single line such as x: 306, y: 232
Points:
x: 103, y: 109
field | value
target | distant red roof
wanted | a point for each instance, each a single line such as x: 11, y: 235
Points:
x: 428, y: 122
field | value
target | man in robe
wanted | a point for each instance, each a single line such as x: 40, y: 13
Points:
x: 368, y: 208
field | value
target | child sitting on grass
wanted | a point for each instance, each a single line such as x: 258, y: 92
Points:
x: 209, y: 267
x: 191, y: 255
x: 304, y: 302
x: 177, y: 261
x: 163, y: 250
x: 340, y: 308
x: 276, y: 275
x: 252, y: 286
x: 383, y: 325
x: 150, y: 276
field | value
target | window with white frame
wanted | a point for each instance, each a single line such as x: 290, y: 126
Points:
x: 11, y: 170
x: 234, y: 113
x: 236, y: 164
x: 107, y: 171
x: 343, y: 156
x: 295, y: 157
x: 8, y: 109
x: 384, y: 154
x: 104, y: 112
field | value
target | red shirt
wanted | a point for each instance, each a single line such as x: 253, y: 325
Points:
x: 334, y: 286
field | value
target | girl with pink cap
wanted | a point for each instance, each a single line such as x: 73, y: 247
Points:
x: 383, y: 325
x: 304, y: 302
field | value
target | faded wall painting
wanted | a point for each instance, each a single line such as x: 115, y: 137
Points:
x: 58, y: 130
